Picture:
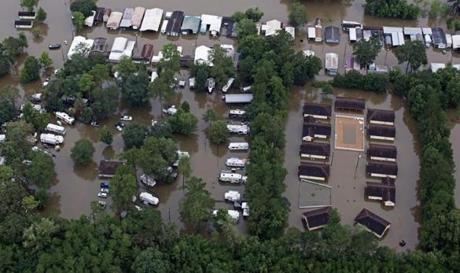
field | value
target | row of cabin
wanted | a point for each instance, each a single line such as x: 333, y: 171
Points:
x: 319, y: 218
x: 272, y: 27
x: 25, y: 20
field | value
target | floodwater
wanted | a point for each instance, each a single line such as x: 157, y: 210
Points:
x: 76, y: 188
x: 348, y: 178
x: 455, y: 140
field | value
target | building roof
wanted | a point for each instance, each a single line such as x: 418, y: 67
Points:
x: 191, y: 24
x: 271, y: 27
x: 152, y: 20
x: 202, y: 55
x: 238, y: 98
x: 99, y: 17
x: 381, y: 130
x: 114, y: 20
x: 385, y: 151
x: 317, y: 109
x: 291, y: 31
x: 109, y: 167
x: 438, y: 37
x: 212, y: 23
x: 373, y: 222
x: 317, y: 218
x: 380, y: 115
x: 332, y: 34
x: 311, y: 129
x: 315, y: 148
x: 137, y: 17
x: 80, y: 45
x: 456, y: 41
x: 175, y: 22
x: 350, y: 104
x: 412, y: 31
x: 146, y: 53
x: 229, y: 27
x: 385, y: 190
x: 127, y: 20
x: 99, y: 45
x: 312, y: 169
x: 331, y: 61
x: 389, y: 168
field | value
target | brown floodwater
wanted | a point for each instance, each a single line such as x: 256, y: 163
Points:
x: 76, y: 187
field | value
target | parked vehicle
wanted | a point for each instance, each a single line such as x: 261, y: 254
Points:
x: 245, y: 207
x: 180, y: 154
x: 106, y: 190
x: 104, y: 185
x: 126, y: 118
x: 236, y: 113
x: 54, y: 46
x: 102, y: 203
x: 191, y: 83
x: 147, y: 180
x: 210, y: 83
x: 149, y: 199
x: 65, y: 117
x: 232, y: 196
x: 102, y: 194
x: 228, y: 85
x: 53, y: 128
x: 246, y: 88
x: 171, y: 110
x: 238, y: 146
x: 119, y: 126
x: 241, y: 129
x: 235, y: 162
x: 51, y: 139
x: 234, y: 178
x: 37, y: 97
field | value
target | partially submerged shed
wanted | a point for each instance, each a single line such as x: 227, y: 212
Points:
x: 238, y: 98
x: 382, y: 152
x: 315, y: 150
x: 316, y: 219
x: 311, y: 171
x: 173, y: 28
x: 190, y: 25
x: 349, y: 104
x: 317, y: 110
x: 108, y: 168
x: 332, y: 35
x: 382, y: 170
x: 138, y: 15
x: 211, y: 23
x: 381, y: 132
x: 373, y: 223
x: 127, y: 19
x: 145, y: 55
x: 152, y: 20
x: 381, y: 117
x: 385, y: 192
x: 114, y: 20
x: 316, y: 130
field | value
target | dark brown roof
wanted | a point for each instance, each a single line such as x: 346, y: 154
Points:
x: 350, y: 104
x: 175, y: 22
x: 146, y: 53
x: 385, y: 190
x: 315, y: 148
x: 381, y: 130
x: 316, y: 218
x: 385, y: 151
x: 380, y: 115
x: 310, y: 129
x: 99, y: 17
x: 372, y: 221
x: 109, y: 167
x: 317, y: 109
x: 382, y: 168
x: 311, y: 169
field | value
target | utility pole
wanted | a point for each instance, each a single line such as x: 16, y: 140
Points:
x: 357, y: 162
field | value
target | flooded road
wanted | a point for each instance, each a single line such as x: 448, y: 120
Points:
x: 76, y: 188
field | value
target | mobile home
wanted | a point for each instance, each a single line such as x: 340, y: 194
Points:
x: 53, y: 128
x: 65, y: 117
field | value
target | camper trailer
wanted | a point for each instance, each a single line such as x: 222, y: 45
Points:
x: 51, y: 139
x: 149, y: 199
x: 242, y: 129
x: 234, y: 178
x: 238, y: 146
x: 235, y: 162
x: 147, y: 180
x: 65, y: 117
x: 232, y: 196
x: 53, y: 128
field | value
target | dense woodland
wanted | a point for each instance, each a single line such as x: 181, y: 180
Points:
x: 141, y: 242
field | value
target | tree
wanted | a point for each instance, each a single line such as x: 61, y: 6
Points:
x: 86, y: 83
x: 37, y: 119
x: 14, y: 47
x: 366, y: 51
x: 45, y: 60
x: 123, y: 187
x: 126, y: 67
x: 183, y: 123
x: 155, y: 156
x: 135, y: 90
x: 5, y: 65
x: 83, y: 6
x: 29, y: 4
x: 82, y: 152
x: 245, y: 27
x: 170, y: 61
x: 41, y: 171
x: 78, y: 20
x: 41, y: 15
x: 255, y: 14
x: 184, y: 168
x: 161, y: 88
x: 17, y: 145
x: 105, y: 101
x: 151, y: 260
x: 39, y: 234
x: 201, y: 73
x: 134, y: 135
x: 297, y: 14
x: 223, y: 67
x: 392, y: 8
x: 195, y: 208
x: 31, y: 70
x: 210, y: 116
x: 218, y: 132
x: 412, y: 52
x: 105, y: 135
x: 7, y: 104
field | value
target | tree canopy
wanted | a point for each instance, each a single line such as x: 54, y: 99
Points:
x: 82, y: 152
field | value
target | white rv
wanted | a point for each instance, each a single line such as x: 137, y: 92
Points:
x: 235, y: 162
x: 65, y: 117
x: 234, y: 178
x: 238, y: 146
x: 232, y: 196
x: 236, y: 113
x: 51, y: 139
x: 228, y: 85
x: 149, y: 199
x: 241, y: 129
x: 53, y: 128
x: 147, y: 180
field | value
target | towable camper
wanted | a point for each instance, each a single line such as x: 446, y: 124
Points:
x: 149, y: 199
x: 234, y: 178
x: 53, y: 128
x: 242, y: 129
x: 65, y: 117
x: 235, y: 162
x: 51, y: 139
x: 238, y: 146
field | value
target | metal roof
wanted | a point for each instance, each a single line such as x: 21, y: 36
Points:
x: 152, y: 20
x: 238, y: 98
x: 191, y: 24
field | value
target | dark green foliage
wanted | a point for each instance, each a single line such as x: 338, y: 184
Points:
x: 35, y: 118
x: 105, y: 135
x: 123, y: 188
x: 255, y: 14
x: 195, y: 208
x: 41, y: 15
x: 392, y: 8
x: 218, y: 132
x: 31, y: 70
x: 354, y: 80
x: 201, y: 74
x: 82, y: 152
x: 183, y: 123
x: 105, y: 102
x: 83, y: 6
x: 297, y: 14
x: 223, y: 67
x: 134, y: 89
x: 7, y: 104
x: 41, y: 171
x: 412, y: 52
x: 134, y: 135
x: 366, y: 51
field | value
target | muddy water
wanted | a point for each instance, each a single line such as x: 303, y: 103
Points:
x: 455, y: 140
x: 348, y: 177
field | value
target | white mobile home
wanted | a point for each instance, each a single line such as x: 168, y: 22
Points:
x: 65, y: 117
x: 241, y: 129
x: 235, y: 162
x: 114, y: 20
x: 51, y: 139
x: 53, y: 128
x: 238, y: 146
x: 332, y: 64
x: 234, y: 178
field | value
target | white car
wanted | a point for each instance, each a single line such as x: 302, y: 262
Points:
x: 126, y: 118
x: 102, y: 194
x: 171, y: 110
x: 245, y: 208
x: 105, y: 190
x: 232, y: 196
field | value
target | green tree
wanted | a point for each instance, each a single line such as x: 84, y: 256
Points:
x: 195, y: 208
x: 45, y: 60
x: 82, y: 152
x: 255, y: 14
x: 100, y: 73
x: 86, y: 83
x: 41, y: 15
x: 40, y: 234
x: 29, y: 4
x: 7, y: 104
x: 412, y: 52
x: 105, y: 101
x: 297, y: 14
x: 201, y: 73
x: 170, y: 61
x: 245, y: 27
x: 135, y: 90
x: 14, y: 47
x: 223, y: 67
x: 31, y: 70
x: 41, y: 171
x: 17, y: 145
x: 83, y: 6
x: 151, y: 260
x: 210, y: 116
x: 126, y: 67
x: 105, y: 135
x: 30, y: 203
x: 366, y: 51
x: 183, y: 123
x: 78, y: 20
x: 134, y: 135
x: 218, y: 132
x: 184, y: 168
x: 123, y: 188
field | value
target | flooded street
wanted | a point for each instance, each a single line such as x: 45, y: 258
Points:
x: 76, y: 188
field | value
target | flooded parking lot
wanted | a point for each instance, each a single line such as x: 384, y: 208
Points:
x: 76, y: 188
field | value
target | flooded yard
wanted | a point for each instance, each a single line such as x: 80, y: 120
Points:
x: 76, y: 187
